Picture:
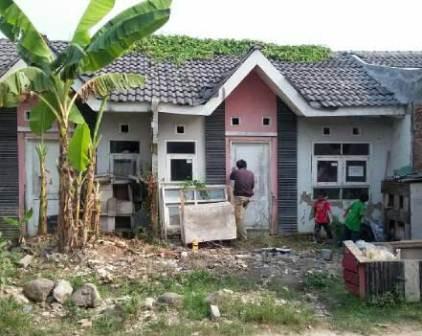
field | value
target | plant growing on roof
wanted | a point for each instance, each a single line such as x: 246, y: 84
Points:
x: 50, y: 78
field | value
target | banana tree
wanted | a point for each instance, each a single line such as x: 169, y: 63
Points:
x: 50, y: 78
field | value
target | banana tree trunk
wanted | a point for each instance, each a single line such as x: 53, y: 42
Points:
x: 89, y: 204
x: 66, y: 227
x: 42, y: 217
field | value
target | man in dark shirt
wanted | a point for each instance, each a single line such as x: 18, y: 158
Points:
x: 244, y: 183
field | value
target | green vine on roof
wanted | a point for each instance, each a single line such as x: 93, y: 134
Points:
x: 179, y: 49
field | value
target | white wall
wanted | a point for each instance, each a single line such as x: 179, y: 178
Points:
x: 401, y: 146
x: 194, y: 130
x: 377, y: 131
x: 139, y: 130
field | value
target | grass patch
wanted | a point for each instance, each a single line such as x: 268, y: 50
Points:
x: 14, y: 322
x: 184, y: 328
x: 349, y: 312
x: 268, y: 311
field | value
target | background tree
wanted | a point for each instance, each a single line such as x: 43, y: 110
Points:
x: 50, y: 78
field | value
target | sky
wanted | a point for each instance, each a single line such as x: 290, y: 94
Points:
x: 338, y: 24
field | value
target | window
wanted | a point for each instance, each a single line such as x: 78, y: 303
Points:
x: 332, y: 193
x: 181, y: 169
x: 181, y: 160
x: 124, y: 128
x: 326, y: 131
x: 266, y: 121
x: 341, y: 170
x: 327, y: 171
x: 235, y: 121
x: 124, y: 158
x: 181, y: 147
x: 356, y: 131
x: 27, y: 115
x: 180, y: 129
x: 124, y: 147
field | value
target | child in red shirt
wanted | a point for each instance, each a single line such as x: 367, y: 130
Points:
x: 322, y: 212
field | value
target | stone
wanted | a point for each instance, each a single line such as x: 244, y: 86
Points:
x: 14, y: 293
x: 38, y: 290
x: 171, y: 299
x: 327, y: 254
x: 85, y: 323
x: 214, y: 312
x: 87, y: 296
x: 25, y: 261
x: 183, y: 255
x: 62, y: 291
x: 149, y: 303
x: 27, y: 308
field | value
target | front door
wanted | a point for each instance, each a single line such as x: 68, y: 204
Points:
x: 32, y: 189
x: 256, y: 155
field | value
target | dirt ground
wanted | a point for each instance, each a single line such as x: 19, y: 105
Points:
x: 294, y: 273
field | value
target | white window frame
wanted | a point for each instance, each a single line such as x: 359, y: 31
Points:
x: 315, y: 171
x: 182, y: 156
x: 341, y: 171
x: 125, y: 156
x: 269, y: 118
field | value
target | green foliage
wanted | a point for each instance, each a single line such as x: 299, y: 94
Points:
x: 180, y: 49
x: 318, y: 280
x: 103, y: 84
x: 268, y: 311
x: 16, y: 26
x: 94, y: 13
x: 41, y: 118
x: 79, y: 147
x: 7, y: 267
x: 349, y: 312
x: 14, y: 322
x: 121, y: 32
x: 197, y: 185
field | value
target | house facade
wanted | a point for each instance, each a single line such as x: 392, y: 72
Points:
x: 335, y: 126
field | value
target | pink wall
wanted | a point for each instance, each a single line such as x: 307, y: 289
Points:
x: 251, y: 101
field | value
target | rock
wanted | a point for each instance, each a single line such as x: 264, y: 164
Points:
x: 25, y: 261
x: 85, y: 323
x: 38, y: 290
x: 14, y: 293
x: 62, y: 291
x: 149, y: 303
x: 87, y: 296
x: 214, y: 312
x: 27, y: 308
x: 105, y: 276
x: 171, y: 299
x: 183, y: 255
x: 311, y: 297
x: 327, y: 254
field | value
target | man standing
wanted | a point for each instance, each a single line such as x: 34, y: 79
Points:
x: 244, y: 183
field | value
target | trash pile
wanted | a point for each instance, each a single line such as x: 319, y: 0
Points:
x: 376, y: 252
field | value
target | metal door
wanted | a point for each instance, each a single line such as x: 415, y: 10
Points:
x: 33, y: 181
x: 256, y: 156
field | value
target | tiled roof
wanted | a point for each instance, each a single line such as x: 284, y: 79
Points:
x: 401, y: 59
x: 8, y: 55
x: 340, y: 81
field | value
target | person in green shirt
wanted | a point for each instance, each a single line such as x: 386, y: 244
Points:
x: 354, y: 215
